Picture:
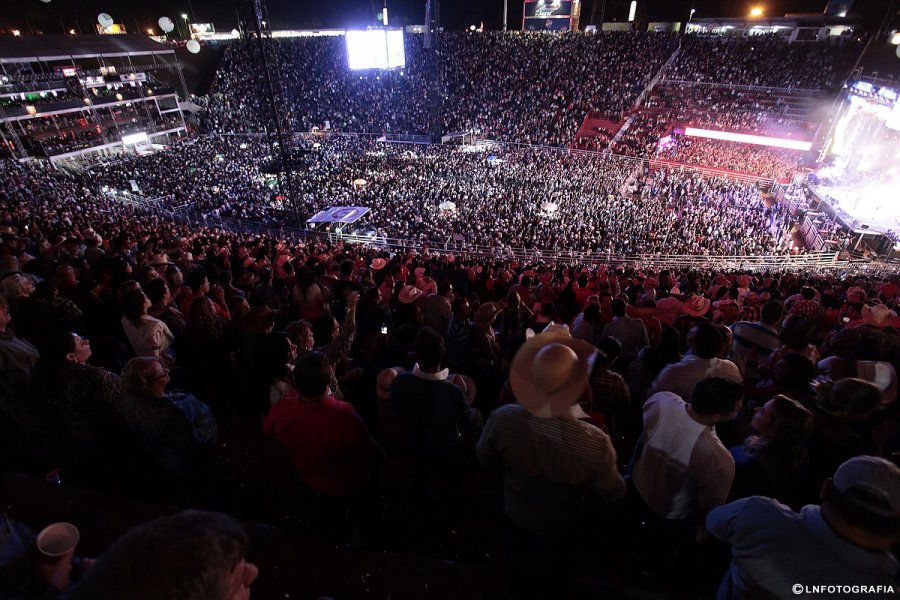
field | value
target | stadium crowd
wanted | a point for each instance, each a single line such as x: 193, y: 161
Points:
x: 742, y: 111
x: 137, y: 352
x: 724, y: 432
x: 567, y: 76
x: 766, y: 161
x: 498, y: 192
x: 760, y: 60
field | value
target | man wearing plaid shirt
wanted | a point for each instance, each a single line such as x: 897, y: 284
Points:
x: 807, y: 306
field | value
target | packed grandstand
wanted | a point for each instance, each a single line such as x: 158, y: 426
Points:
x: 174, y: 330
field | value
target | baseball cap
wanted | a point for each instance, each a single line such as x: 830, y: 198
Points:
x: 877, y: 479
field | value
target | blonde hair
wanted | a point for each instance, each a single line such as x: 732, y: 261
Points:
x: 138, y: 374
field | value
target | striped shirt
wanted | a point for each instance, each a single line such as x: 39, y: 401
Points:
x: 549, y: 464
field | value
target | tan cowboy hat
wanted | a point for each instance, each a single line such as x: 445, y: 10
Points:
x: 378, y: 263
x: 696, y: 306
x: 486, y: 314
x: 159, y: 259
x: 409, y: 294
x: 878, y: 315
x: 549, y: 373
x: 466, y: 384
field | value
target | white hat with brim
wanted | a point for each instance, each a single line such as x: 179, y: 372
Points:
x: 696, y: 306
x: 409, y: 294
x: 549, y: 374
x: 878, y: 315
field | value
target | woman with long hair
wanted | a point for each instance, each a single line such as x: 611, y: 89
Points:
x: 272, y: 373
x: 771, y: 463
x: 310, y: 301
x: 148, y: 335
x: 209, y: 356
x: 94, y: 446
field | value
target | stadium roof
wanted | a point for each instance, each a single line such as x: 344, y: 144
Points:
x: 33, y: 48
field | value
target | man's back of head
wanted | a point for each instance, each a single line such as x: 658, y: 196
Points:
x: 772, y: 313
x: 705, y: 340
x: 429, y: 348
x: 716, y: 398
x: 618, y: 307
x: 312, y: 375
x: 193, y: 555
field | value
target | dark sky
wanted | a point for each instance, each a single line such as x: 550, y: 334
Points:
x: 456, y: 14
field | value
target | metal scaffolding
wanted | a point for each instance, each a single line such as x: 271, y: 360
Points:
x: 256, y: 34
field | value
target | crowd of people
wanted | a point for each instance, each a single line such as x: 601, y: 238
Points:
x: 132, y: 347
x: 728, y: 108
x: 766, y: 161
x: 567, y: 76
x: 482, y: 78
x: 499, y: 195
x: 761, y: 60
x: 730, y: 432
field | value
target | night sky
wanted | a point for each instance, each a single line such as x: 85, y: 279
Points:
x: 62, y: 15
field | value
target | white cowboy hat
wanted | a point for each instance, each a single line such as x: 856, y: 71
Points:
x: 878, y: 315
x: 696, y: 306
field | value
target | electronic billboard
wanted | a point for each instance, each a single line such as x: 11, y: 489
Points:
x: 375, y: 49
x: 550, y: 15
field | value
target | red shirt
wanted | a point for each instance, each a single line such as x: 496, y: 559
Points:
x: 328, y: 443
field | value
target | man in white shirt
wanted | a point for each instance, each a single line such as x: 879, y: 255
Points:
x: 701, y: 362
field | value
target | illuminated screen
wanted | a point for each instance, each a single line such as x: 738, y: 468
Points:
x: 744, y: 138
x: 375, y: 49
x: 135, y: 138
x: 548, y: 8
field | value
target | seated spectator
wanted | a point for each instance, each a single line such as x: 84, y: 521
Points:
x: 148, y: 562
x: 844, y: 411
x: 148, y: 336
x: 705, y: 343
x: 17, y: 361
x: 631, y: 333
x: 272, y: 372
x: 846, y: 541
x: 771, y: 463
x: 177, y: 431
x: 650, y: 362
x: 327, y: 441
x: 753, y: 342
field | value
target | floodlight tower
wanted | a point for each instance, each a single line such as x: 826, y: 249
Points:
x: 256, y: 34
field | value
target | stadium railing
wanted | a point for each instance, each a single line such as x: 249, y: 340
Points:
x: 749, y: 88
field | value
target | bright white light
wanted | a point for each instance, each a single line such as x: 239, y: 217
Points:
x: 375, y: 49
x: 744, y: 138
x: 893, y: 121
x: 135, y: 138
x: 632, y: 10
